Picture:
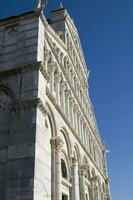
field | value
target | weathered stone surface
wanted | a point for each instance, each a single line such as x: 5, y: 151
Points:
x: 50, y: 147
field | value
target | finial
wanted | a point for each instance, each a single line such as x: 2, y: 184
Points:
x: 41, y: 4
x: 61, y: 5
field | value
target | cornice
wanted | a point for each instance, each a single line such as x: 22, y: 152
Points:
x: 21, y: 69
x: 51, y: 31
x: 32, y: 103
x: 17, y: 18
x: 22, y: 105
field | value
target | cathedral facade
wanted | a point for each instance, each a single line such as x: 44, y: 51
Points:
x: 50, y: 146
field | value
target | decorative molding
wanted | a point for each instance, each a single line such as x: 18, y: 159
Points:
x: 83, y: 168
x: 68, y: 80
x: 94, y: 179
x: 20, y: 69
x: 80, y: 56
x: 74, y: 161
x: 50, y: 96
x: 32, y: 103
x: 56, y: 143
x: 17, y: 18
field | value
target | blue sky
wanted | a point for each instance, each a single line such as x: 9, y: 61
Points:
x: 106, y: 32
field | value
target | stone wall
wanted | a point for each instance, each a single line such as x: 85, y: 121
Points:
x: 19, y: 43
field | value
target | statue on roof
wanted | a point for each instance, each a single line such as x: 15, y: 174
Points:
x: 41, y: 4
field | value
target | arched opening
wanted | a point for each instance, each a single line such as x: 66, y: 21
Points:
x: 64, y: 197
x: 50, y: 132
x: 65, y: 164
x: 64, y: 169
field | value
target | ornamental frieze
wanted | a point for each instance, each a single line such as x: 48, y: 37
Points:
x: 32, y: 103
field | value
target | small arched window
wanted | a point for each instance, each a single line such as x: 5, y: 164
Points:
x: 63, y: 169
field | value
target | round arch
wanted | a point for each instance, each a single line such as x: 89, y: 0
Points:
x: 93, y: 173
x: 85, y: 162
x: 68, y: 141
x: 76, y: 149
x: 52, y: 120
x: 65, y: 158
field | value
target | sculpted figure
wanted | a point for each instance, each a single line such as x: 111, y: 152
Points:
x: 41, y: 4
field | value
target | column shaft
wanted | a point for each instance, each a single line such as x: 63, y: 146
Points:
x: 75, y: 181
x: 82, y: 185
x: 57, y: 144
x: 58, y: 174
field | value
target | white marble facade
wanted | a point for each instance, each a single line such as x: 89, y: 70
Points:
x: 54, y: 150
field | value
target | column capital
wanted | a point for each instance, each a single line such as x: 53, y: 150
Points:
x: 62, y: 82
x: 75, y: 108
x: 85, y: 126
x: 94, y: 179
x: 78, y: 113
x: 69, y: 65
x: 46, y: 54
x: 74, y: 161
x: 57, y: 77
x: 56, y: 143
x: 82, y: 118
x: 53, y: 66
x: 91, y: 187
x: 71, y: 99
x: 83, y: 168
x: 75, y: 78
x: 67, y: 93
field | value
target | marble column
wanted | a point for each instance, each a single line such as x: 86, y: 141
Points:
x: 75, y: 180
x: 53, y: 177
x: 74, y: 111
x: 62, y: 95
x: 46, y: 58
x: 58, y: 53
x: 82, y: 171
x: 76, y: 118
x: 85, y: 133
x: 70, y: 107
x: 79, y: 121
x: 82, y: 131
x: 68, y: 70
x: 72, y: 78
x: 93, y: 181
x: 96, y: 193
x: 66, y: 102
x: 91, y: 195
x: 77, y: 125
x: 57, y: 82
x: 74, y: 114
x: 108, y: 193
x: 65, y: 64
x: 75, y: 84
x: 57, y: 144
x: 52, y: 68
